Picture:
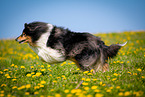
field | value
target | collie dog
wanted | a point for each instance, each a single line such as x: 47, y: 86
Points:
x: 55, y: 44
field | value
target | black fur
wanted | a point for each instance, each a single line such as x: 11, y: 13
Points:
x: 86, y: 49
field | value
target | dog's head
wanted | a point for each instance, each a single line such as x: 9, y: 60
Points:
x: 32, y: 32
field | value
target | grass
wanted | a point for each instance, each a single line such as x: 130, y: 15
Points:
x: 22, y: 74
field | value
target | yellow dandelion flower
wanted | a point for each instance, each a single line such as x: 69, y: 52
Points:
x: 28, y: 75
x: 127, y: 93
x: 94, y: 87
x: 89, y: 95
x: 84, y: 83
x: 2, y: 92
x: 32, y: 66
x: 88, y: 79
x: 97, y: 90
x: 6, y: 75
x: 16, y: 66
x: 66, y: 91
x: 108, y: 90
x: 48, y: 66
x: 115, y: 74
x: 86, y: 88
x: 54, y: 81
x: 43, y: 70
x: 1, y: 72
x: 117, y: 87
x: 12, y: 65
x: 78, y: 68
x: 27, y: 93
x: 114, y: 79
x: 43, y: 82
x: 69, y: 95
x: 35, y: 93
x: 5, y: 69
x: 28, y: 86
x: 50, y: 74
x: 52, y: 90
x: 101, y: 83
x: 120, y: 94
x: 1, y: 95
x: 38, y: 74
x: 3, y: 85
x: 23, y: 67
x: 14, y: 79
x: 36, y: 87
x: 99, y: 95
x: 94, y: 79
x: 85, y: 72
x: 83, y: 79
x: 90, y: 74
x: 14, y: 87
x: 57, y: 95
x: 41, y: 86
x: 139, y: 69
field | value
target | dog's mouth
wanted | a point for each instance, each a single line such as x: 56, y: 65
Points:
x: 22, y: 41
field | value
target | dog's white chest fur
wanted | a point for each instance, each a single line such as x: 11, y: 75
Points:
x: 45, y: 53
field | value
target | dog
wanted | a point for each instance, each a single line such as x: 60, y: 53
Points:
x: 56, y: 44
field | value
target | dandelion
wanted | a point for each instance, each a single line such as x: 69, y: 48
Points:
x: 1, y: 95
x: 139, y: 70
x: 1, y: 72
x: 35, y: 93
x: 48, y: 66
x: 78, y: 68
x: 66, y: 91
x: 88, y: 79
x: 14, y: 87
x: 42, y: 66
x: 101, y: 83
x: 27, y: 93
x: 94, y: 87
x: 114, y: 79
x: 86, y: 88
x: 16, y: 66
x: 36, y: 87
x: 115, y: 74
x: 14, y: 79
x: 127, y: 93
x: 38, y: 74
x: 32, y: 66
x: 28, y: 86
x: 6, y: 75
x: 83, y: 79
x: 54, y: 81
x: 52, y: 90
x: 94, y: 79
x: 43, y: 82
x: 84, y: 83
x: 89, y: 95
x: 69, y: 95
x: 120, y: 94
x: 99, y: 95
x: 23, y: 67
x: 90, y: 74
x: 117, y: 87
x: 5, y: 69
x: 85, y: 72
x: 3, y: 85
x: 50, y: 74
x: 41, y: 86
x: 57, y: 95
x: 108, y: 90
x: 22, y: 87
x: 97, y: 90
x: 12, y: 65
x: 28, y: 75
x: 73, y: 90
x: 43, y: 70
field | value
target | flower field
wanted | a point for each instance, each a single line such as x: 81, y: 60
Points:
x: 23, y: 74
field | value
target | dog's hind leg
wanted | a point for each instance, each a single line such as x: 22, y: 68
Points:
x: 105, y: 67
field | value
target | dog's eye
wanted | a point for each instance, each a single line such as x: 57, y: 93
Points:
x: 24, y: 34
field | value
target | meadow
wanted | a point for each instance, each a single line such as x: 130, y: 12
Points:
x: 23, y: 74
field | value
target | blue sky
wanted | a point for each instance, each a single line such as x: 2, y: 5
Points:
x: 78, y: 15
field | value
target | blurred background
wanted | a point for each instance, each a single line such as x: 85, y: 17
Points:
x: 93, y: 16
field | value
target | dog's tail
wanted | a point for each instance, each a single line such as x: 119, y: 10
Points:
x: 112, y: 50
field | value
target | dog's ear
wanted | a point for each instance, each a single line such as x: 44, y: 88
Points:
x: 25, y: 25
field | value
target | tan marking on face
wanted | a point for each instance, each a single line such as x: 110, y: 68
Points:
x: 26, y: 38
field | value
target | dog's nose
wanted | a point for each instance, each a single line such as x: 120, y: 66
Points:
x: 16, y: 39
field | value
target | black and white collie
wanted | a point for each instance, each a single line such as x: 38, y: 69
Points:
x: 55, y: 44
